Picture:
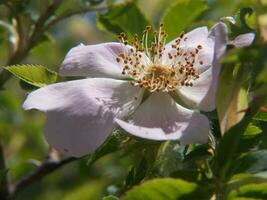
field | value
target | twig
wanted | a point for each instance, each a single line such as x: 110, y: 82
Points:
x: 4, y: 189
x: 39, y: 29
x: 48, y: 166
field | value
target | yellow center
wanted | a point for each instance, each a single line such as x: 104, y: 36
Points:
x: 145, y: 65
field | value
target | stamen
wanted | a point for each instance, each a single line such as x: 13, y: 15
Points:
x: 151, y: 73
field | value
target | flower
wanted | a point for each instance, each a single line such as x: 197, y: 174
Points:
x: 82, y: 113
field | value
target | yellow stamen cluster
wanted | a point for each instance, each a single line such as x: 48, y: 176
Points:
x: 153, y: 68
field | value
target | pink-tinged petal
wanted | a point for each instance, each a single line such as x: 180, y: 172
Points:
x: 220, y: 33
x: 160, y: 118
x: 80, y: 114
x: 243, y: 40
x: 202, y: 94
x: 189, y: 43
x: 93, y: 61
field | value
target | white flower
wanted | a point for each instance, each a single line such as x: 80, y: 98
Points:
x: 82, y: 113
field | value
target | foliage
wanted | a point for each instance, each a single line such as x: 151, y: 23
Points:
x: 232, y: 165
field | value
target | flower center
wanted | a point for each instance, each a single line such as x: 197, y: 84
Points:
x: 157, y: 67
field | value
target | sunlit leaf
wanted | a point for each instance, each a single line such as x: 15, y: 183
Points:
x: 243, y: 179
x: 180, y: 15
x: 261, y: 116
x: 35, y: 75
x: 258, y: 191
x: 252, y: 130
x: 165, y: 189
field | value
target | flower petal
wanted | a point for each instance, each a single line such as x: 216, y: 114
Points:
x: 243, y: 40
x: 220, y: 33
x: 202, y: 94
x: 198, y: 36
x: 93, y: 61
x: 80, y: 114
x: 160, y: 118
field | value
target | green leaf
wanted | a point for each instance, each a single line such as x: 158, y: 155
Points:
x: 241, y: 25
x: 35, y: 75
x: 170, y: 158
x: 110, y: 197
x: 252, y: 130
x: 165, y: 189
x: 231, y: 98
x: 250, y: 139
x: 228, y: 145
x: 251, y: 162
x: 240, y: 180
x: 250, y: 191
x: 198, y: 153
x: 87, y: 190
x: 112, y: 144
x: 261, y: 116
x: 188, y: 175
x: 123, y: 18
x: 136, y: 175
x: 181, y: 15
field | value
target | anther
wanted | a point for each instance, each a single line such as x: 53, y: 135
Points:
x: 199, y: 46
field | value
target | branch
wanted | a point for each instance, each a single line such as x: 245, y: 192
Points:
x: 39, y: 29
x: 4, y: 189
x: 38, y: 26
x: 48, y: 166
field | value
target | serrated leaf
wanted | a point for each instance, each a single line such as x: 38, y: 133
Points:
x: 180, y: 15
x: 35, y: 75
x: 165, y: 189
x: 123, y: 18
